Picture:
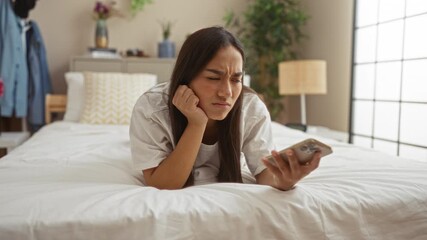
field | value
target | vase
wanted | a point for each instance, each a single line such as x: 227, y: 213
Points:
x: 101, y: 34
x: 166, y: 49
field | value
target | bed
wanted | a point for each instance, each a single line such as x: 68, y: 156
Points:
x: 74, y: 180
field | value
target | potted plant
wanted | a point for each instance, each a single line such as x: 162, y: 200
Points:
x: 166, y: 47
x: 166, y: 29
x: 270, y: 31
x: 138, y: 5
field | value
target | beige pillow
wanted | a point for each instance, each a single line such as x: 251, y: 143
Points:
x: 110, y: 97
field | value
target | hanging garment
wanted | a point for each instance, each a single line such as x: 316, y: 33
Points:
x: 39, y: 78
x: 13, y: 63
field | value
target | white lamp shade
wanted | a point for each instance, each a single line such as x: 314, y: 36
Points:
x: 302, y: 77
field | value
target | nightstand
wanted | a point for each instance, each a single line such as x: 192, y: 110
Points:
x: 11, y: 140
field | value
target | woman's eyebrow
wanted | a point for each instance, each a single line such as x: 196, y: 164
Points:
x: 218, y: 72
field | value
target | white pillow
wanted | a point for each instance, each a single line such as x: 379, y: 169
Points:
x: 110, y: 97
x: 75, y: 96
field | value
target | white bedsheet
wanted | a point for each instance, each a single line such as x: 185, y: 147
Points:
x: 75, y: 181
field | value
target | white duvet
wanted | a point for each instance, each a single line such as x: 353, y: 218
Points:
x: 75, y: 181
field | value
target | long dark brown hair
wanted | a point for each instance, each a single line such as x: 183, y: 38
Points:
x: 196, y: 52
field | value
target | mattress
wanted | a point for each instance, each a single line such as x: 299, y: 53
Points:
x: 76, y: 181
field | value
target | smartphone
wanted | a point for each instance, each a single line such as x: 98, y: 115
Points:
x: 304, y: 150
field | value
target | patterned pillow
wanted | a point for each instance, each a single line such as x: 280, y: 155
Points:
x: 110, y: 97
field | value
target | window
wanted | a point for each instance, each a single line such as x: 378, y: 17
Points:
x: 389, y: 82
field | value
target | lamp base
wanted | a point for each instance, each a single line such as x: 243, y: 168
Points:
x: 298, y: 126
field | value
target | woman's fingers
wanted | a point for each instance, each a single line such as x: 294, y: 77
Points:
x: 177, y: 98
x: 181, y: 94
x: 273, y: 169
x: 313, y: 163
x: 289, y: 165
x: 280, y: 162
x: 294, y: 164
x: 192, y: 101
x: 187, y: 102
x: 288, y: 171
x: 185, y: 97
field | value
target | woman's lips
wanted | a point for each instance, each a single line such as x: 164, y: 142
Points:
x: 222, y: 104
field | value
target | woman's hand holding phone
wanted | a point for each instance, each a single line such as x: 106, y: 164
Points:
x: 287, y: 173
x: 305, y: 150
x: 294, y: 163
x: 187, y: 102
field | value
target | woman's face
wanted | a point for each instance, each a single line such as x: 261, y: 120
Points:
x: 219, y: 84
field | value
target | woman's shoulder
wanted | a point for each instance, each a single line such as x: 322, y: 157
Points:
x: 154, y: 100
x: 252, y: 103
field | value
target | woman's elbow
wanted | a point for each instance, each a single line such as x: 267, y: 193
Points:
x: 162, y: 185
x: 154, y: 181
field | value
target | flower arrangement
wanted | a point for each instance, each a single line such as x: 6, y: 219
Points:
x: 104, y: 10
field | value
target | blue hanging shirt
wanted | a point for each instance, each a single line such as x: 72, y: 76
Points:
x: 13, y: 63
x: 39, y: 78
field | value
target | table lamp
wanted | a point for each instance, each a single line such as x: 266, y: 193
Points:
x: 302, y: 77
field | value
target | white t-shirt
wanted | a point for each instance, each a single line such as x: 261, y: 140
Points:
x: 151, y: 136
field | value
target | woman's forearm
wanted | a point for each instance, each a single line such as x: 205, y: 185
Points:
x: 267, y: 178
x: 173, y: 172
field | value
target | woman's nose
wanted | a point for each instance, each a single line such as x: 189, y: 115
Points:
x: 225, y: 88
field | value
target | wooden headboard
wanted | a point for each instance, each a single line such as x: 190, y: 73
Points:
x: 54, y: 103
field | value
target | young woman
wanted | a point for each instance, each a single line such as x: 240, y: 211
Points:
x: 199, y: 127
